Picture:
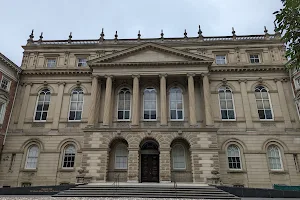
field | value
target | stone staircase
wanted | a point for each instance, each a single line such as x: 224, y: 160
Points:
x: 183, y: 191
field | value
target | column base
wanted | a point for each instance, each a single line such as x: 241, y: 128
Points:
x: 165, y: 182
x: 90, y: 126
x: 132, y: 181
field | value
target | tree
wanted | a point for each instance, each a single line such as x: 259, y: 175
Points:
x: 287, y: 22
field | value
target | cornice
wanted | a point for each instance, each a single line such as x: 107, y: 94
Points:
x: 248, y: 68
x: 216, y: 40
x: 152, y: 63
x: 10, y: 63
x: 57, y: 72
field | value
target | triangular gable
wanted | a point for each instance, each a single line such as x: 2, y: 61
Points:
x: 149, y: 52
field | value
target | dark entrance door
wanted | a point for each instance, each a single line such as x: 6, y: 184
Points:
x: 150, y: 166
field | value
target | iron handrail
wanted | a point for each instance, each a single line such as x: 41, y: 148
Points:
x: 116, y: 183
x: 175, y: 185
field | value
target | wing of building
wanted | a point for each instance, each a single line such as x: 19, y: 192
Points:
x: 9, y: 78
x: 190, y: 109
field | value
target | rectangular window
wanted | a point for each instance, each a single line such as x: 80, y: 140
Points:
x: 298, y: 82
x: 254, y: 58
x: 221, y: 59
x: 12, y: 160
x: 81, y: 62
x: 234, y: 162
x: 296, y: 162
x: 2, y: 112
x: 121, y: 162
x: 51, y: 62
x: 5, y: 83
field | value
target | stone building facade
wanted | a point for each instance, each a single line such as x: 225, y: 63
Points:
x: 191, y: 109
x: 9, y: 76
x: 295, y: 82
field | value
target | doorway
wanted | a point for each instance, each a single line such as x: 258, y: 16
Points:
x: 149, y: 161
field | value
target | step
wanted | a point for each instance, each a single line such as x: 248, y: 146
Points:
x: 154, y: 191
x: 154, y: 196
x: 150, y: 191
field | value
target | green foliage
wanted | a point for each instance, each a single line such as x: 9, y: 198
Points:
x: 288, y: 24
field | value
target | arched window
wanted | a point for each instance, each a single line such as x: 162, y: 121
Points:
x: 150, y: 104
x: 263, y: 103
x: 176, y: 104
x: 121, y: 157
x: 178, y: 155
x: 274, y: 156
x: 32, y: 157
x: 226, y: 103
x: 69, y: 157
x: 42, y: 105
x: 234, y: 157
x: 124, y: 104
x: 76, y: 104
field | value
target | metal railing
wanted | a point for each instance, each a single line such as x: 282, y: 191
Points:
x: 175, y: 185
x: 116, y: 183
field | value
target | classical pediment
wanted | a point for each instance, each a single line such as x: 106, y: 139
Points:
x: 150, y: 53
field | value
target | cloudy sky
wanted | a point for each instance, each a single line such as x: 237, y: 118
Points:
x: 56, y: 18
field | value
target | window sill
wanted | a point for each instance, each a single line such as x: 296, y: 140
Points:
x: 28, y: 170
x: 236, y: 171
x: 66, y: 170
x: 180, y: 170
x: 278, y: 172
x: 119, y: 170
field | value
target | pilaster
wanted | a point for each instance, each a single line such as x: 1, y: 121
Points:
x: 24, y: 105
x: 283, y: 104
x: 133, y: 165
x: 165, y: 165
x: 246, y: 104
x: 58, y: 104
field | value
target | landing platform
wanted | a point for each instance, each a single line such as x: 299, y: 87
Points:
x: 149, y: 184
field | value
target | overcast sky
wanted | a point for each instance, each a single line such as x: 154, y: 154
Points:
x: 85, y: 18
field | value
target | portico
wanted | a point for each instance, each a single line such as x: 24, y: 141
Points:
x: 170, y: 77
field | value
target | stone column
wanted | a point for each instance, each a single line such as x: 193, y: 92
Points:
x: 165, y: 165
x: 107, y: 102
x: 135, y: 101
x: 283, y: 104
x: 95, y: 95
x: 133, y: 165
x: 207, y: 100
x: 163, y: 100
x: 23, y: 110
x: 246, y: 104
x: 192, y: 106
x: 58, y: 103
